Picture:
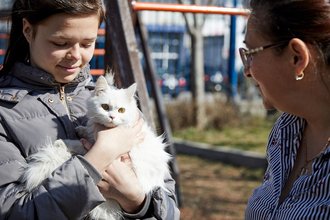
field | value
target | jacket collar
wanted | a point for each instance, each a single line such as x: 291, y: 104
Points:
x: 24, y: 78
x: 39, y: 78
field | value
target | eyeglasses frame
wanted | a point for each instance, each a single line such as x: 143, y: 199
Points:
x: 245, y: 53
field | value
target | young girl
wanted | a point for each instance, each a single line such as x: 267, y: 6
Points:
x: 44, y: 85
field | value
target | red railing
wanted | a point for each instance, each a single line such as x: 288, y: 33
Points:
x: 152, y: 6
x: 3, y: 36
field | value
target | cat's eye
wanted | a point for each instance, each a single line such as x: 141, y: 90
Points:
x: 106, y: 107
x: 121, y: 110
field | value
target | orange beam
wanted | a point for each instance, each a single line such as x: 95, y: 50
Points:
x: 149, y: 6
x: 97, y: 72
x: 99, y: 52
x: 101, y: 32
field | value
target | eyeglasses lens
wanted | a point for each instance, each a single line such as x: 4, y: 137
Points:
x: 244, y: 57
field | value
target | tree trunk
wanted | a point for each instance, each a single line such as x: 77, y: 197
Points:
x: 197, y: 74
x: 195, y: 25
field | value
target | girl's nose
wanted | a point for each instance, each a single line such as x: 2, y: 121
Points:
x: 73, y: 53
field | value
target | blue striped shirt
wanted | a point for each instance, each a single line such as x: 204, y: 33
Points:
x: 309, y: 197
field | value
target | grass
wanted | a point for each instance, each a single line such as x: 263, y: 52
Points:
x: 250, y: 135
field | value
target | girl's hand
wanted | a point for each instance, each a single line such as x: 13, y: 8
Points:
x: 111, y: 143
x: 119, y: 182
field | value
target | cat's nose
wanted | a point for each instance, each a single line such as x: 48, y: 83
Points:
x: 111, y: 117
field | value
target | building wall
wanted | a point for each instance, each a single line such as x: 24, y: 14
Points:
x: 167, y: 30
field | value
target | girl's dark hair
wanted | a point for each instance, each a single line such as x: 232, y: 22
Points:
x: 36, y: 11
x: 308, y: 20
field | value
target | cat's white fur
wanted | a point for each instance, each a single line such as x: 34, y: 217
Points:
x: 149, y: 158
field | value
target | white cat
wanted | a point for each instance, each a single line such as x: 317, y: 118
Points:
x: 110, y: 107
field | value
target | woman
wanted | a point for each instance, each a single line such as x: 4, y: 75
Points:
x: 288, y: 57
x: 44, y: 85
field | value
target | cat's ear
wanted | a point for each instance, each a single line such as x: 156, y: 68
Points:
x: 131, y: 90
x: 101, y: 85
x: 110, y: 76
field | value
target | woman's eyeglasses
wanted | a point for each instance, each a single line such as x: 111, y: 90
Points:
x: 246, y: 55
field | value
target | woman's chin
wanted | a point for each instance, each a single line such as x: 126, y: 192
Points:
x: 267, y: 105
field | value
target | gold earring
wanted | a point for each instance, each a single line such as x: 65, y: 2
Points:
x: 300, y: 76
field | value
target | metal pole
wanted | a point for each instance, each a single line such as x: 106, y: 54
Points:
x: 232, y: 54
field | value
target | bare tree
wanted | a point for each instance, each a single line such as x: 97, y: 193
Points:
x: 194, y: 24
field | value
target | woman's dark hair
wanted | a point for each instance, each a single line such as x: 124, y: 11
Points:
x: 36, y: 11
x: 308, y: 20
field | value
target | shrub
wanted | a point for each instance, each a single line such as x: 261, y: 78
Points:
x: 218, y: 114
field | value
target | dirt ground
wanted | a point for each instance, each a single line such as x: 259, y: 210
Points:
x: 214, y: 191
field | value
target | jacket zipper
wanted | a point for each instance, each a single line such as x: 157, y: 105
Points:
x: 62, y: 95
x: 63, y: 99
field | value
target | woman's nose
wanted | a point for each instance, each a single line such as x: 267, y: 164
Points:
x: 247, y: 72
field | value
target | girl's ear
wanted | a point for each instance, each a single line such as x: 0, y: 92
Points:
x: 300, y: 55
x: 27, y: 30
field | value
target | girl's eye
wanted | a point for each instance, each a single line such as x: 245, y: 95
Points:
x: 121, y: 110
x: 86, y: 45
x: 106, y: 107
x: 58, y: 44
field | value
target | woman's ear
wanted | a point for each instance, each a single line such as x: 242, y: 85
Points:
x: 27, y: 30
x: 300, y: 55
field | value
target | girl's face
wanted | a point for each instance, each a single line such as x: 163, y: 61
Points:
x: 62, y: 44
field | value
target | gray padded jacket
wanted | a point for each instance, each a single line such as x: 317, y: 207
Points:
x: 33, y: 110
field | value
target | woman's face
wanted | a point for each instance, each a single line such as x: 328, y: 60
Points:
x: 62, y: 44
x: 267, y: 69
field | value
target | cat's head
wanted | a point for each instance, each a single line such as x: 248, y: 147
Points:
x: 111, y: 106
